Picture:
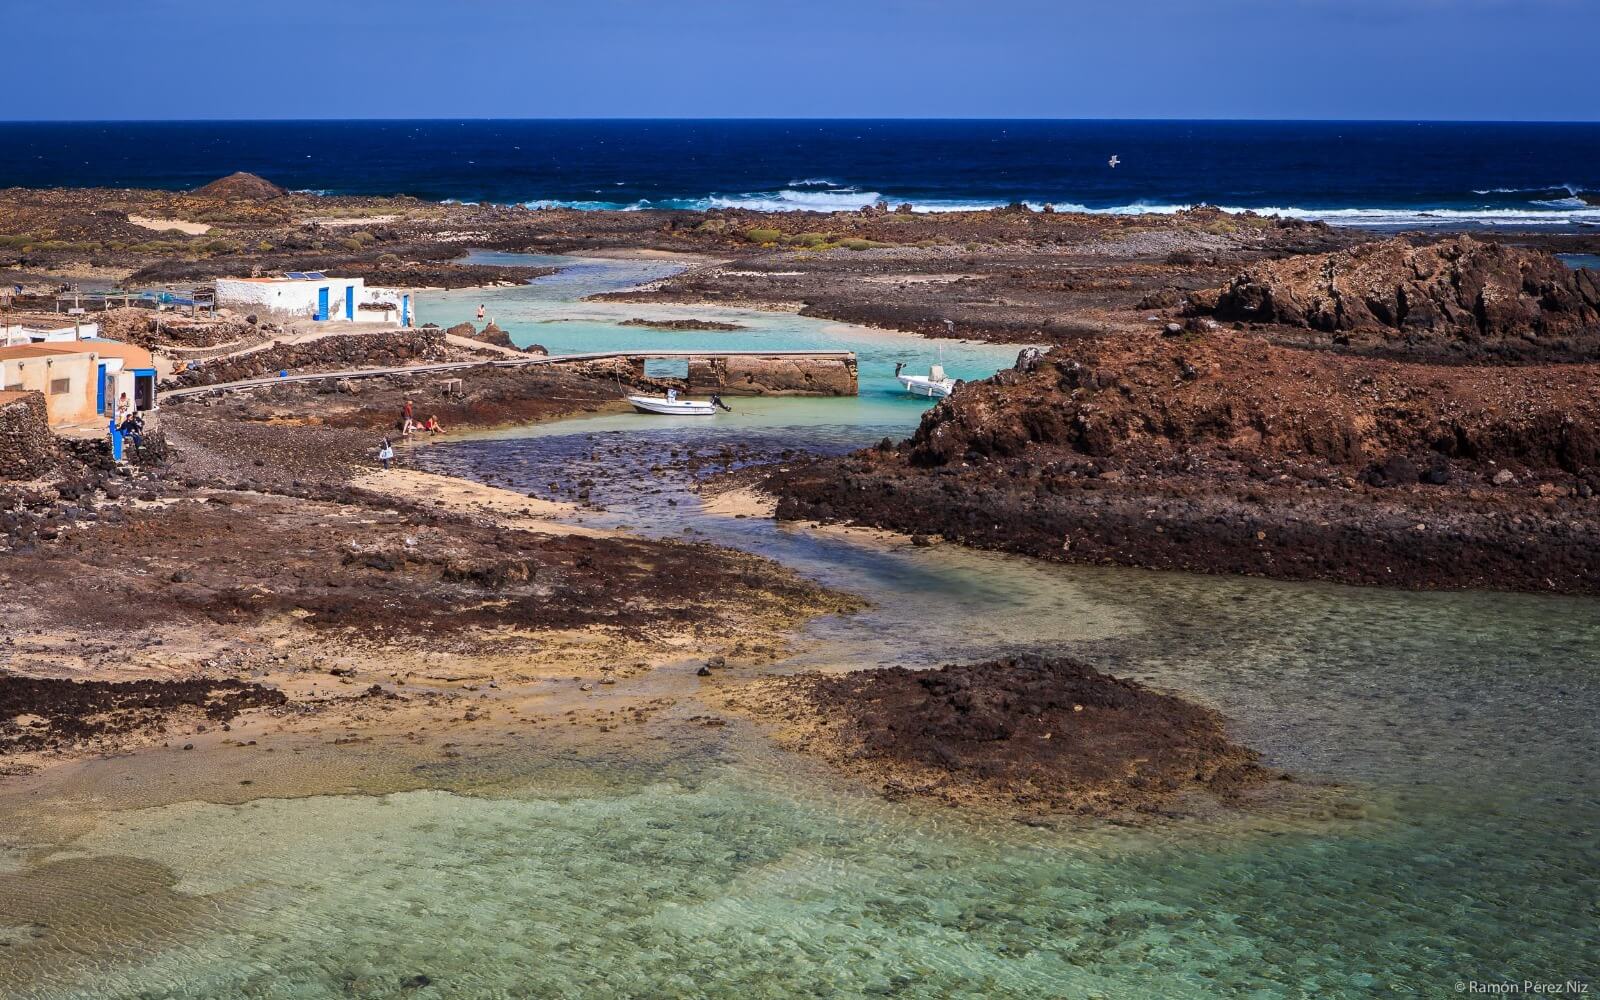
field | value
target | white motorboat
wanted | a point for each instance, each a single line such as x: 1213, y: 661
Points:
x: 934, y: 385
x: 672, y: 406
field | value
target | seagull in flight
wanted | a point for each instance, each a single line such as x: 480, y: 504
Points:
x: 1114, y: 160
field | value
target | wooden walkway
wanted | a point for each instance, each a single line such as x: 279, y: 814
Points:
x: 450, y: 366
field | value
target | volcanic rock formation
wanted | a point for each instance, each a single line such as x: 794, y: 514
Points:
x: 1031, y: 732
x: 241, y: 186
x: 1458, y: 295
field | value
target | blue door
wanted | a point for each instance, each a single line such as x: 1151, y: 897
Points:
x: 405, y: 310
x: 100, y: 389
x: 322, y: 302
x: 144, y: 388
x: 349, y: 302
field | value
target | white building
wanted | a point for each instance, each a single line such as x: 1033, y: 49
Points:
x: 313, y: 295
x: 39, y: 332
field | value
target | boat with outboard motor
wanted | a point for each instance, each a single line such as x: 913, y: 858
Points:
x: 934, y: 385
x: 671, y: 405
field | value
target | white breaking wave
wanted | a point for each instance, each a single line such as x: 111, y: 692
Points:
x: 1564, y: 211
x: 1573, y: 202
x: 1571, y: 189
x: 791, y: 199
x: 1587, y: 215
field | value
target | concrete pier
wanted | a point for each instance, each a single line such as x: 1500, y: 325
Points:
x: 788, y: 374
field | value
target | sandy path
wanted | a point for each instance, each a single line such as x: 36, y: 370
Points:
x: 506, y: 507
x: 740, y: 502
x: 162, y: 225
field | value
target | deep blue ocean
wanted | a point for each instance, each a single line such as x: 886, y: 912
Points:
x: 1359, y: 172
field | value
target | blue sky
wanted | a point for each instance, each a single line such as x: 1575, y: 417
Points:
x: 1447, y: 59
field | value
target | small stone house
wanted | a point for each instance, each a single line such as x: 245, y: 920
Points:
x: 81, y: 381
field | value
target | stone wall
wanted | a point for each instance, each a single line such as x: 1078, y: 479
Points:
x: 27, y: 448
x: 331, y: 353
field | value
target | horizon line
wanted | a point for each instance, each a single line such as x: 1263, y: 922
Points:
x: 752, y: 118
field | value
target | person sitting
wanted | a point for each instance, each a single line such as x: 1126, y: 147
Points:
x: 133, y: 427
x: 433, y: 426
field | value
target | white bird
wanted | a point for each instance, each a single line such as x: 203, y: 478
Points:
x: 1114, y: 160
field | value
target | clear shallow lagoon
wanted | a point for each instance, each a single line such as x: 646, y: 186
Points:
x: 1450, y: 830
x: 548, y: 312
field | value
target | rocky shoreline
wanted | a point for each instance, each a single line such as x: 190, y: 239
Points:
x: 1267, y: 450
x: 1221, y: 394
x: 271, y: 580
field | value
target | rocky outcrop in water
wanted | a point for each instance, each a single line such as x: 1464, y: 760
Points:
x: 1159, y: 397
x: 1223, y: 453
x: 1457, y: 296
x: 682, y: 324
x: 490, y: 334
x: 1029, y: 733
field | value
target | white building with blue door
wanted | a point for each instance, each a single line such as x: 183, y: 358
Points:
x: 82, y: 382
x: 315, y: 296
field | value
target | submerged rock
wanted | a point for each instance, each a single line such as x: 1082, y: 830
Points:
x: 1031, y: 732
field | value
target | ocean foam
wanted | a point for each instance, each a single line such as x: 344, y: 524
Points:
x: 1564, y: 211
x: 795, y: 199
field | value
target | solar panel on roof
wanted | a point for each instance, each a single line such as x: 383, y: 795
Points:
x: 296, y: 275
x: 316, y: 275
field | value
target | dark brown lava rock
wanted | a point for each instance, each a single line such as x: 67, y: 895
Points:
x: 1030, y: 732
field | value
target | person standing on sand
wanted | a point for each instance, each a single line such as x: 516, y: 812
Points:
x: 386, y: 453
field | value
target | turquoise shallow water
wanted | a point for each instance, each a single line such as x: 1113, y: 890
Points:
x: 548, y: 312
x: 1447, y: 830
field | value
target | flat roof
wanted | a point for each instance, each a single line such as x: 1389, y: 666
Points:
x: 22, y: 351
x: 312, y: 277
x: 140, y: 357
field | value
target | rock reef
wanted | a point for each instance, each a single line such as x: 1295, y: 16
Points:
x: 683, y: 324
x: 1025, y: 735
x: 48, y: 713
